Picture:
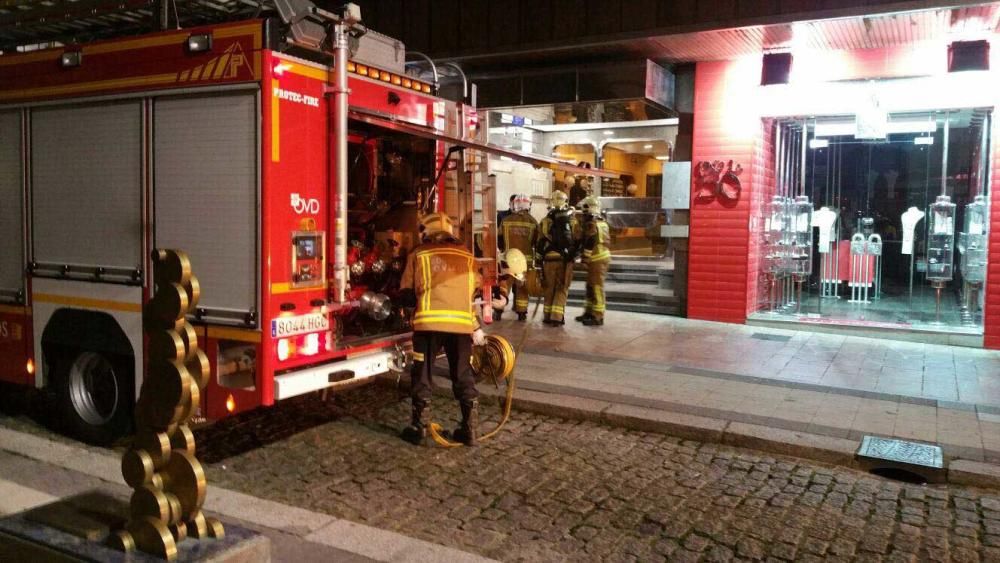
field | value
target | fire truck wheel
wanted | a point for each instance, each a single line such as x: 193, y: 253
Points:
x: 95, y: 390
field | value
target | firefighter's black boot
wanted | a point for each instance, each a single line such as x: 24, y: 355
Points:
x: 497, y: 314
x: 593, y: 321
x: 468, y: 432
x: 416, y: 432
x: 583, y: 318
x: 522, y: 316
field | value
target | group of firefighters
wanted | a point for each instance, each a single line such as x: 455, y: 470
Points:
x: 551, y: 249
x: 440, y: 282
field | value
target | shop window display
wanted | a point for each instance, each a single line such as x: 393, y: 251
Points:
x: 885, y: 228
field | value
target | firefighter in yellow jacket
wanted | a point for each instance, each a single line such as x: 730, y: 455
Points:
x: 596, y: 256
x: 558, y: 242
x: 519, y: 231
x: 439, y: 281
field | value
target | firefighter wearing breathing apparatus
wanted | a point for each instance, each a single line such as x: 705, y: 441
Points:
x: 558, y: 242
x: 596, y: 257
x: 440, y: 281
x: 519, y: 232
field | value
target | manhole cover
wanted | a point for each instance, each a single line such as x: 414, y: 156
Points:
x: 881, y: 454
x: 774, y: 337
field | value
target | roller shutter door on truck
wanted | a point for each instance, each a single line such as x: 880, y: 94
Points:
x: 11, y: 202
x: 87, y: 185
x: 205, y: 192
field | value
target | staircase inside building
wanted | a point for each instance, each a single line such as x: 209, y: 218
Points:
x: 634, y: 285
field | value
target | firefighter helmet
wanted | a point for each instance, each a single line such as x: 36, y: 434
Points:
x: 515, y: 264
x: 558, y: 200
x: 590, y: 205
x: 521, y: 202
x: 436, y: 224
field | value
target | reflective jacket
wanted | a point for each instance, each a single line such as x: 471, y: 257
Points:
x: 596, y: 238
x: 519, y: 230
x: 442, y: 275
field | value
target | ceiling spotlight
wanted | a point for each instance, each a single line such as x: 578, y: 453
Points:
x: 663, y: 157
x: 609, y: 132
x: 71, y: 59
x: 199, y: 43
x: 923, y: 141
x: 647, y: 146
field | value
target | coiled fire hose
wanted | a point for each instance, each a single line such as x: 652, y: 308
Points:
x: 495, y: 360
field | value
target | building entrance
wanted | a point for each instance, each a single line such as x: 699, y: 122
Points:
x: 879, y: 222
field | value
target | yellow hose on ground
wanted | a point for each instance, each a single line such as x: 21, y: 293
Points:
x: 435, y: 428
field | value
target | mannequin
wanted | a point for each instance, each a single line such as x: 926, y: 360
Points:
x: 910, y: 218
x: 824, y: 219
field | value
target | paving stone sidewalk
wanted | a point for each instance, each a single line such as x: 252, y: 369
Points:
x: 719, y: 371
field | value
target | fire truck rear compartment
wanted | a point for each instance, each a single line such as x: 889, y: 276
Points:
x: 390, y: 177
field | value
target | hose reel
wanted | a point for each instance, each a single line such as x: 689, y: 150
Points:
x: 494, y: 360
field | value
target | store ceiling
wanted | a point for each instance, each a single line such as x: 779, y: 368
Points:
x: 887, y: 30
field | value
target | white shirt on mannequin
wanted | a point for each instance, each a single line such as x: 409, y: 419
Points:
x: 825, y: 218
x: 910, y: 218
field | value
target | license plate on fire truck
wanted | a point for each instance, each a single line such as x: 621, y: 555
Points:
x: 282, y: 327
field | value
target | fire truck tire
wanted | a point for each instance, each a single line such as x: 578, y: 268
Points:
x: 95, y: 393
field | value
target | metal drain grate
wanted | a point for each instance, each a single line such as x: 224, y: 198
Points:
x: 884, y: 456
x: 774, y: 337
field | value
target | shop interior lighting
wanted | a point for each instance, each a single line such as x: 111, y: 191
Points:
x: 835, y: 128
x: 849, y: 128
x: 557, y: 127
x: 609, y: 133
x: 663, y: 157
x: 199, y: 42
x: 647, y: 146
x: 911, y: 126
x: 71, y: 59
x: 818, y: 143
x: 923, y: 141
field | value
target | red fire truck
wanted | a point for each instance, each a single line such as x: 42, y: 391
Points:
x: 295, y: 188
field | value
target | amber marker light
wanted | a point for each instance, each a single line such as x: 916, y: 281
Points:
x: 30, y: 367
x: 407, y: 83
x: 351, y: 67
x: 396, y: 80
x: 230, y: 403
x: 384, y: 76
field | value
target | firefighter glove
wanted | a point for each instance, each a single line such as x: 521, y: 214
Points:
x: 479, y: 337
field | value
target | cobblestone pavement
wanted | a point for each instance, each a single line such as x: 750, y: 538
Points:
x: 548, y: 489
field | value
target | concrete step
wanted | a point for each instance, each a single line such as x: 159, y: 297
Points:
x: 651, y: 278
x: 672, y: 310
x: 628, y: 293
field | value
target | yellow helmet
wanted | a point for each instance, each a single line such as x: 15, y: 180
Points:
x: 516, y: 264
x: 436, y: 224
x: 558, y: 199
x: 590, y: 205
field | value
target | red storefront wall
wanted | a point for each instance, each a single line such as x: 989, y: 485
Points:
x: 724, y: 281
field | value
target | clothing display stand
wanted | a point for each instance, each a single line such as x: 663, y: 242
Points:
x: 874, y: 249
x: 910, y: 218
x: 829, y: 273
x: 860, y: 264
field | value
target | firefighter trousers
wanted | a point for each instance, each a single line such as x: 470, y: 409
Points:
x: 558, y: 276
x: 520, y: 299
x: 458, y: 348
x: 596, y: 272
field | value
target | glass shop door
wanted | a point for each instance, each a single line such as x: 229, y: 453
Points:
x: 881, y: 226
